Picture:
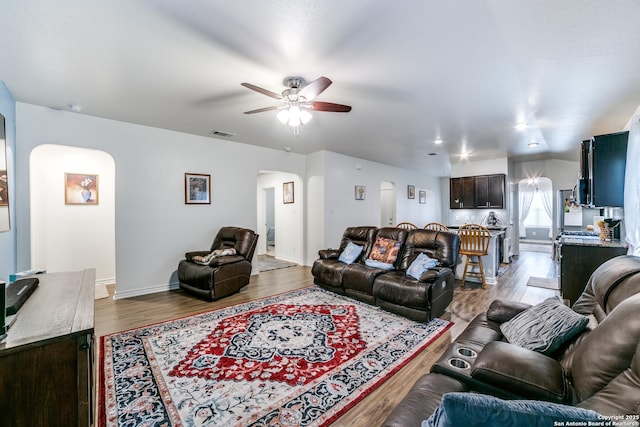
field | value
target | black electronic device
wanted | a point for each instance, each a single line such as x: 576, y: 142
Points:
x: 18, y: 292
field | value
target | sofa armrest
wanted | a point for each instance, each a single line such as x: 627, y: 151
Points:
x: 523, y: 372
x: 433, y: 274
x: 225, y: 260
x: 189, y: 255
x: 328, y: 253
x: 501, y: 311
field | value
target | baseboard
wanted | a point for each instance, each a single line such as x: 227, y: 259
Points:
x: 145, y: 291
x: 108, y: 281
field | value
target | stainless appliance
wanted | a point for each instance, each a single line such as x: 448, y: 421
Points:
x: 564, y: 200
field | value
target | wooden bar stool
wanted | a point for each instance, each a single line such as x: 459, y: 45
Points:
x: 474, y: 243
x: 436, y: 226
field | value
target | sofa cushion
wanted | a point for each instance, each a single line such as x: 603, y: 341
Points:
x: 385, y: 250
x: 471, y: 409
x: 544, y: 327
x: 350, y: 253
x: 421, y: 264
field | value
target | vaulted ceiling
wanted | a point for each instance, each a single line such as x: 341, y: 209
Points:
x: 414, y: 71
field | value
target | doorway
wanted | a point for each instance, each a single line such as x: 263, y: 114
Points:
x: 387, y: 204
x: 270, y: 222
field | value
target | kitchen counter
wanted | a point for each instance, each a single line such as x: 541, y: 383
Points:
x: 592, y: 241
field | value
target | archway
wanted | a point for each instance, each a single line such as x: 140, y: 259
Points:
x: 68, y: 235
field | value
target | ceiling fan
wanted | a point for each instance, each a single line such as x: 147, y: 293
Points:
x: 297, y: 100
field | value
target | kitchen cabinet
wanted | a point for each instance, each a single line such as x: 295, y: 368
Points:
x: 602, y: 168
x: 579, y: 261
x: 489, y: 191
x: 462, y: 193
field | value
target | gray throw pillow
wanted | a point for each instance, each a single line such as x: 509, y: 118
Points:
x: 544, y: 327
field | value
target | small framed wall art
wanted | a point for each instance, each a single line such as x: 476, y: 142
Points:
x: 197, y: 189
x: 287, y: 192
x: 80, y: 189
x: 360, y: 192
x: 411, y: 191
x: 422, y: 196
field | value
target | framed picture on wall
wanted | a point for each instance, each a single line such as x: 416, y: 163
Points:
x: 4, y: 189
x: 197, y: 189
x: 360, y: 192
x: 80, y: 189
x: 411, y: 191
x: 422, y: 196
x: 287, y: 192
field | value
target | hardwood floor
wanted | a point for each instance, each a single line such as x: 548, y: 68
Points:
x: 117, y: 315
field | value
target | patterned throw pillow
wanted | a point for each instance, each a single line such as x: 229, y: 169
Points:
x: 350, y: 253
x: 544, y: 327
x: 385, y: 250
x: 205, y: 260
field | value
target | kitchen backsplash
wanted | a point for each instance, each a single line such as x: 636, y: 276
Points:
x: 476, y: 216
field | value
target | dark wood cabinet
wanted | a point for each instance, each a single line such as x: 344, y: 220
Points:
x: 462, y: 193
x: 578, y: 262
x: 46, y: 361
x: 471, y: 192
x: 489, y: 191
x: 609, y: 163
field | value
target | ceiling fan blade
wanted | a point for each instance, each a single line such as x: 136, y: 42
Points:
x: 262, y: 110
x: 315, y: 88
x: 261, y: 90
x: 329, y: 106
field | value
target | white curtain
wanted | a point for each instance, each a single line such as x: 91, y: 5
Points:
x: 546, y: 193
x: 526, y: 197
x: 632, y: 189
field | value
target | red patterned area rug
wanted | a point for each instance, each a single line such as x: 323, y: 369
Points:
x: 301, y: 358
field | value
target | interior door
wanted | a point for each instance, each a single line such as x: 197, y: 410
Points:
x: 387, y: 204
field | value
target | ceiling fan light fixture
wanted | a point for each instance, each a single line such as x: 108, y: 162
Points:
x: 283, y: 116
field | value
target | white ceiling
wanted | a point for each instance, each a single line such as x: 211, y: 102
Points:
x: 413, y: 70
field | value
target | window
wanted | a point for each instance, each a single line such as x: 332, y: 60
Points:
x: 537, y: 216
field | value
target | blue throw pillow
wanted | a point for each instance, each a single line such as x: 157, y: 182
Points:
x: 479, y: 410
x: 350, y: 253
x: 378, y: 264
x: 544, y: 327
x: 421, y: 264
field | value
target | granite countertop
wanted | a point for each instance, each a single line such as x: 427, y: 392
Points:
x: 592, y: 241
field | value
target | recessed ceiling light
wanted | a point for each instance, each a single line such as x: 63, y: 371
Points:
x: 521, y: 126
x: 433, y: 154
x: 533, y: 144
x: 464, y: 154
x: 437, y: 141
x: 76, y: 108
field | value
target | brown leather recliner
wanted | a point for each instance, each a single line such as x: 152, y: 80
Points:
x: 599, y: 369
x: 223, y: 275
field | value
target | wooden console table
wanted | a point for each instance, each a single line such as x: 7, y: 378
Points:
x: 46, y: 361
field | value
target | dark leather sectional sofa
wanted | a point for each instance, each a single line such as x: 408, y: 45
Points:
x: 599, y: 369
x: 393, y: 290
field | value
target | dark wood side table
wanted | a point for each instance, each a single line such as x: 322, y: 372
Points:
x: 46, y: 361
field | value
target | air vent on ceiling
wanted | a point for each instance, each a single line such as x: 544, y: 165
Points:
x: 221, y: 133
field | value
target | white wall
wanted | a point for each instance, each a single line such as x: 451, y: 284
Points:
x: 341, y: 210
x: 481, y: 167
x: 289, y: 224
x: 154, y: 227
x: 8, y: 242
x: 72, y: 237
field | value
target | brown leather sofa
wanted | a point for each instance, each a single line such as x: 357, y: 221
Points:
x: 224, y: 275
x: 599, y: 369
x: 393, y: 290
